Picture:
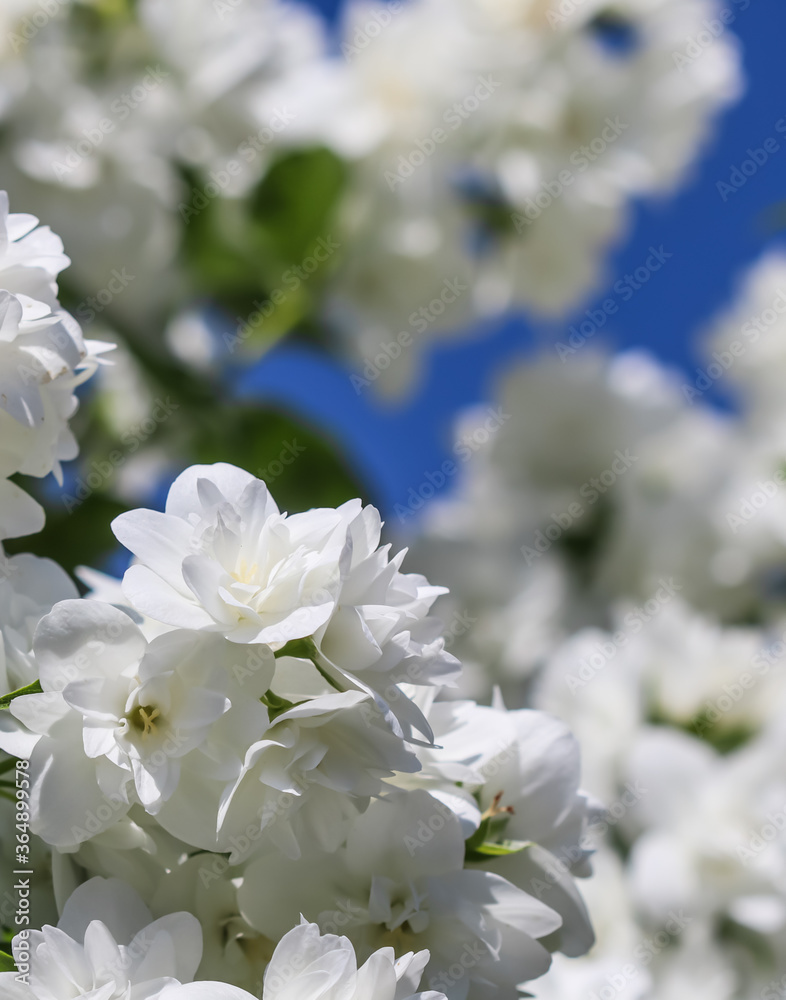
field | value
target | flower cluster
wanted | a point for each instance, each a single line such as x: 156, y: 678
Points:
x: 630, y: 583
x: 43, y: 358
x: 262, y: 689
x: 251, y: 730
x: 107, y: 944
x: 491, y: 149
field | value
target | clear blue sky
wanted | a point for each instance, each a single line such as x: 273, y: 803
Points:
x: 712, y: 241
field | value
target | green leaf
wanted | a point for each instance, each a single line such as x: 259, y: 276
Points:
x: 302, y: 463
x: 8, y: 765
x: 502, y: 848
x: 7, y: 963
x: 297, y: 198
x: 79, y: 538
x: 34, y: 688
x: 245, y: 252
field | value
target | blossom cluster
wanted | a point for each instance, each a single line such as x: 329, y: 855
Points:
x: 107, y: 944
x: 630, y: 583
x: 490, y: 150
x: 43, y: 358
x: 250, y: 728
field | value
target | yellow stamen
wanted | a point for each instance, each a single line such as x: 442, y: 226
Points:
x: 244, y: 574
x: 147, y: 721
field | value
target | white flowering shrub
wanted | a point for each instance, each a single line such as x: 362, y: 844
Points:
x: 267, y: 757
x: 245, y: 737
x: 446, y: 159
x: 630, y: 583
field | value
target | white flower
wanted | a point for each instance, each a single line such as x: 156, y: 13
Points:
x: 117, y: 716
x: 307, y: 964
x: 519, y: 772
x: 301, y: 783
x: 712, y: 829
x: 580, y: 127
x: 222, y: 558
x: 180, y: 725
x: 106, y: 946
x: 602, y: 700
x: 380, y: 635
x: 400, y: 881
x: 31, y: 256
x: 319, y: 760
x: 43, y: 357
x: 205, y: 885
x: 29, y: 588
x: 754, y: 327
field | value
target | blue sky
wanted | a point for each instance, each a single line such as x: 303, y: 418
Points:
x: 711, y: 240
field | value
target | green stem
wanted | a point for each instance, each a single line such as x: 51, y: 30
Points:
x: 34, y: 688
x: 306, y: 649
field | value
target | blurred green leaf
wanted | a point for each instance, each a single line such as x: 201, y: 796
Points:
x: 302, y: 467
x: 81, y: 538
x: 245, y: 253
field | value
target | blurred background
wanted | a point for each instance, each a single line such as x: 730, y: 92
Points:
x: 514, y: 272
